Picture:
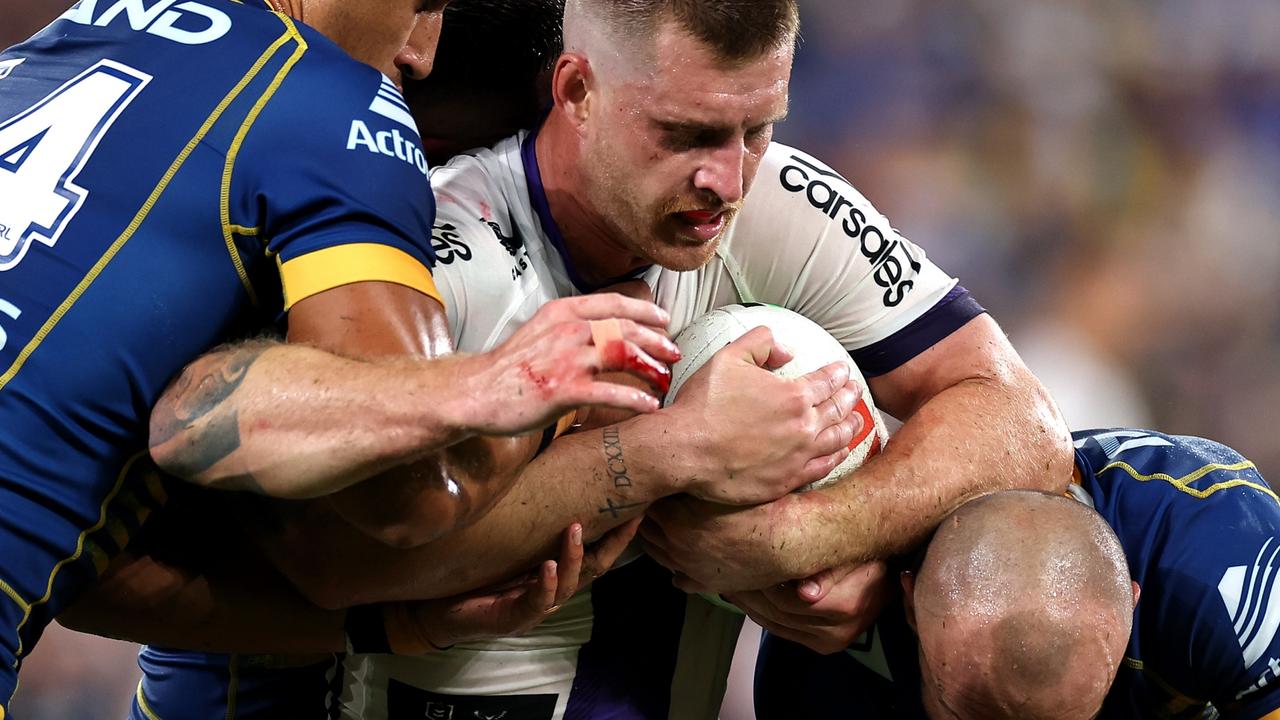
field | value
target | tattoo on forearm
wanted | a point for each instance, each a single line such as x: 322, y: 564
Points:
x: 614, y: 461
x: 614, y: 508
x: 199, y: 397
x: 615, y: 464
x: 240, y: 483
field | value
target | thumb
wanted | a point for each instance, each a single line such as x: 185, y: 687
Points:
x: 763, y: 351
x: 815, y: 587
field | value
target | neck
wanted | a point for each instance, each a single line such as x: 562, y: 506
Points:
x: 590, y: 240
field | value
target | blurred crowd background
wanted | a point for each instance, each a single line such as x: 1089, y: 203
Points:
x: 1104, y: 175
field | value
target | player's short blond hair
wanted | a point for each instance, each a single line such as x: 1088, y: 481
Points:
x: 736, y: 30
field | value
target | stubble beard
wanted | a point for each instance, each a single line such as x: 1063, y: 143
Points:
x: 645, y: 232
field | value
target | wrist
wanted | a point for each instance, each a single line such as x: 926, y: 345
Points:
x: 660, y: 444
x: 818, y: 535
x: 457, y: 399
x: 405, y: 632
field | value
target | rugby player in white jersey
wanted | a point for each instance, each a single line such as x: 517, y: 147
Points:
x: 656, y: 161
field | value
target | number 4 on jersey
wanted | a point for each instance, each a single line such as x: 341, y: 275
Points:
x: 43, y: 149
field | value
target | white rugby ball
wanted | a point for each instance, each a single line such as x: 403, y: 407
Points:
x: 814, y: 348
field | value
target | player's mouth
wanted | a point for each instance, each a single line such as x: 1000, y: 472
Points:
x: 703, y: 225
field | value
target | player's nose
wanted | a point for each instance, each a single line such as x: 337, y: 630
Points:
x: 721, y: 172
x: 415, y: 59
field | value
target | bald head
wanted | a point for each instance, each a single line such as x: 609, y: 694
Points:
x: 1023, y: 606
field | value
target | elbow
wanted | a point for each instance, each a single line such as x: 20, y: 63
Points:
x: 408, y: 535
x: 423, y: 519
x: 401, y: 513
x: 1050, y: 449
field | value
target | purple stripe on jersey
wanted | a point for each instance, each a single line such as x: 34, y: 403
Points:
x: 954, y: 310
x: 538, y: 198
x: 625, y: 670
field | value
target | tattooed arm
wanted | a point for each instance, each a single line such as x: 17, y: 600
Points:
x: 230, y: 420
x: 295, y: 421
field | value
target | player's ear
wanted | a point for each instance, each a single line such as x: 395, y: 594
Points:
x: 1136, y: 592
x: 571, y: 87
x: 908, y: 580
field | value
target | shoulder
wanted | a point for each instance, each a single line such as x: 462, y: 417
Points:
x: 801, y: 209
x: 480, y: 242
x: 1201, y: 528
x: 474, y: 201
x: 810, y: 189
x: 1190, y: 472
x: 337, y: 133
x: 808, y: 240
x: 1194, y: 487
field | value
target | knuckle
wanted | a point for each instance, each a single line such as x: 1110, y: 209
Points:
x: 795, y: 402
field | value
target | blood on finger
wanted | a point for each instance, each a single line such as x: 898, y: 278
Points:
x: 618, y: 354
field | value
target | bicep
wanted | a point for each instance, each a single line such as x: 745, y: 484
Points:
x: 978, y: 350
x: 372, y: 319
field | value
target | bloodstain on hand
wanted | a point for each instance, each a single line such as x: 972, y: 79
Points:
x: 544, y: 385
x: 617, y: 354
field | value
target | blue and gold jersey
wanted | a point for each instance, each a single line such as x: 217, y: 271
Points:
x: 1201, y: 530
x: 172, y: 175
x: 185, y: 685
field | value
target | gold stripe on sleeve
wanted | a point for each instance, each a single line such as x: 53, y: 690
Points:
x: 333, y: 267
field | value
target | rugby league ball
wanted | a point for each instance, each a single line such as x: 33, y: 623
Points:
x: 814, y: 347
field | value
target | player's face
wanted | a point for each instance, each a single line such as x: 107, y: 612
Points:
x: 672, y: 149
x: 398, y: 37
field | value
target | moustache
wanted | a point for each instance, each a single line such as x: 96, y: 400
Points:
x: 675, y: 207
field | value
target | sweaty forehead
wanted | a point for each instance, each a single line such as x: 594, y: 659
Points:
x: 681, y: 77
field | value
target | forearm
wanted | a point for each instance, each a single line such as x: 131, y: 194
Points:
x: 600, y: 478
x: 282, y: 419
x: 146, y: 601
x: 980, y: 435
x: 417, y: 503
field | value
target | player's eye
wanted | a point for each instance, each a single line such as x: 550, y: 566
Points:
x: 684, y: 137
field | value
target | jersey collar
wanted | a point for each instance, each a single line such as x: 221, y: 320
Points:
x: 538, y: 198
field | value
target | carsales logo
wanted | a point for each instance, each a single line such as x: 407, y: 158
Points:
x: 894, y: 266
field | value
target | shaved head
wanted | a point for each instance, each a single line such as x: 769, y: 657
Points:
x: 1023, y: 606
x: 622, y: 32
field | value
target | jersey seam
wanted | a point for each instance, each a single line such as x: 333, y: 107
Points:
x: 142, y: 703
x: 1182, y: 483
x: 228, y: 228
x: 80, y: 547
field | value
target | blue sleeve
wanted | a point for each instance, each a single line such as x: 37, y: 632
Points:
x: 333, y: 179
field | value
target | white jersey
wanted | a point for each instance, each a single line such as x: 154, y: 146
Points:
x: 632, y: 647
